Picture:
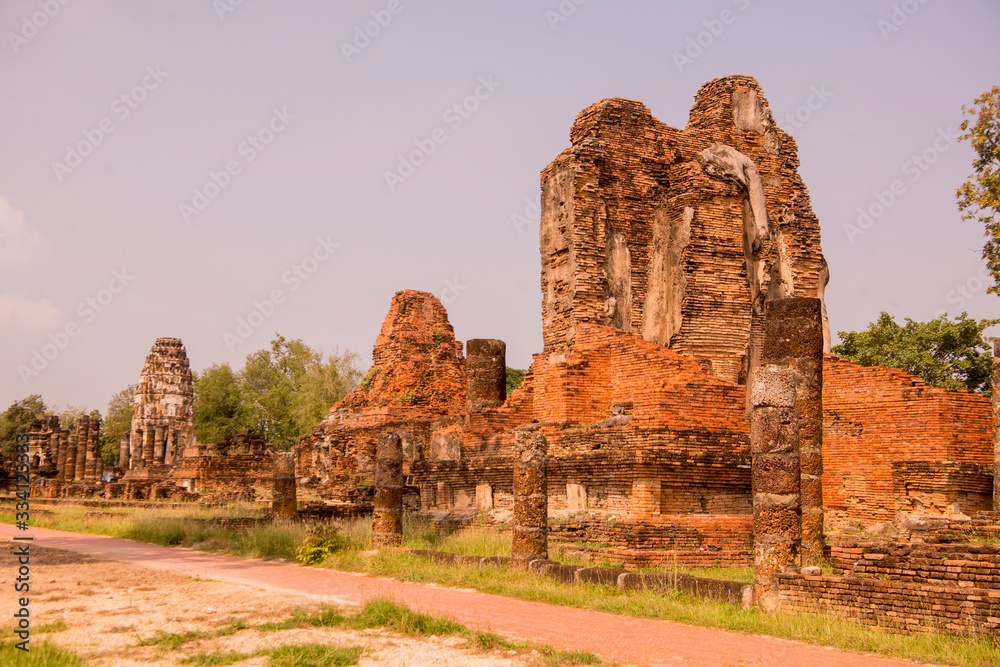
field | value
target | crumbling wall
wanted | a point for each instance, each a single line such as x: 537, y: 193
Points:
x: 895, y: 446
x: 676, y: 235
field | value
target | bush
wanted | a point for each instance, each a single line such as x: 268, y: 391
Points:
x: 319, y: 547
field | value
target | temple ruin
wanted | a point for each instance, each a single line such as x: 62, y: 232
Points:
x: 661, y: 249
x: 163, y: 421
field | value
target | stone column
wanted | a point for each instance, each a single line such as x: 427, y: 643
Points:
x: 783, y: 405
x: 69, y: 459
x: 486, y: 373
x: 93, y: 454
x: 284, y: 504
x: 82, y: 438
x: 531, y: 499
x: 794, y: 339
x: 124, y: 451
x: 387, y: 519
x: 147, y: 446
x: 159, y: 447
x: 135, y: 449
x: 996, y: 424
x: 56, y: 448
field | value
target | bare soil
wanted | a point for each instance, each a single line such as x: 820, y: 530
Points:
x: 109, y: 607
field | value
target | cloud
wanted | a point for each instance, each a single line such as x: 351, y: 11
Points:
x: 25, y: 313
x: 20, y: 244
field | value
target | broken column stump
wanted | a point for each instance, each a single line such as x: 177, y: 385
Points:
x: 996, y: 424
x: 785, y: 411
x: 531, y: 501
x: 793, y: 339
x: 387, y: 518
x: 486, y: 374
x: 284, y: 503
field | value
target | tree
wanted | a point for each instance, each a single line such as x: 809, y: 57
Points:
x: 946, y: 353
x: 69, y: 416
x: 514, y: 379
x: 117, y: 423
x: 281, y: 393
x: 979, y: 197
x: 218, y: 411
x: 17, y: 419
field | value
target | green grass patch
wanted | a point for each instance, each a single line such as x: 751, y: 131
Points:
x: 314, y: 655
x: 174, y: 640
x: 384, y: 613
x: 40, y: 654
x: 302, y: 655
x: 55, y: 626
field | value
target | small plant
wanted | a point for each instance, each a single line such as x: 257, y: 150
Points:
x: 407, y: 397
x: 369, y: 378
x: 319, y: 547
x: 438, y: 338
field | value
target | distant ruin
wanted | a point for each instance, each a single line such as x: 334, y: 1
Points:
x: 163, y: 421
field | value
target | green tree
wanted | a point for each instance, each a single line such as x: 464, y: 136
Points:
x: 218, y: 411
x: 514, y: 379
x: 16, y: 420
x: 946, y: 353
x: 287, y: 389
x: 117, y: 423
x: 69, y: 416
x: 979, y: 197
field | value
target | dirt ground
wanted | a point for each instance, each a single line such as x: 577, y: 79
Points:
x: 109, y: 607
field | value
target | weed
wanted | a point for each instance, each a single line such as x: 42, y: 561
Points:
x: 41, y: 654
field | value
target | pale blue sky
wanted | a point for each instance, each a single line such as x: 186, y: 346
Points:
x: 199, y: 81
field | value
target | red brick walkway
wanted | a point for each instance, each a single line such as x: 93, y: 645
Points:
x: 622, y: 638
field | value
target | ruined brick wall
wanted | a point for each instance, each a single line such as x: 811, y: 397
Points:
x: 163, y: 419
x: 639, y: 232
x: 893, y: 445
x: 913, y: 588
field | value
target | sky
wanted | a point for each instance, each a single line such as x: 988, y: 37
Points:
x: 224, y: 170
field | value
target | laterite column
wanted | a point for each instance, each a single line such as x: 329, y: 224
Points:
x: 486, y: 374
x: 284, y: 502
x: 785, y: 417
x: 124, y: 451
x: 996, y: 424
x: 531, y: 500
x: 387, y: 519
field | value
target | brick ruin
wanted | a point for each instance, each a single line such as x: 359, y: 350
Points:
x: 65, y: 463
x: 163, y: 421
x: 660, y: 250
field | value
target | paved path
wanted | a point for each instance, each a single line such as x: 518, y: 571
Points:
x: 622, y: 638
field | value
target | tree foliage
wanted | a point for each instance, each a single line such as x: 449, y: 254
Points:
x: 514, y: 379
x: 217, y: 404
x: 16, y: 420
x: 946, y: 353
x: 117, y: 422
x: 979, y: 197
x: 281, y: 392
